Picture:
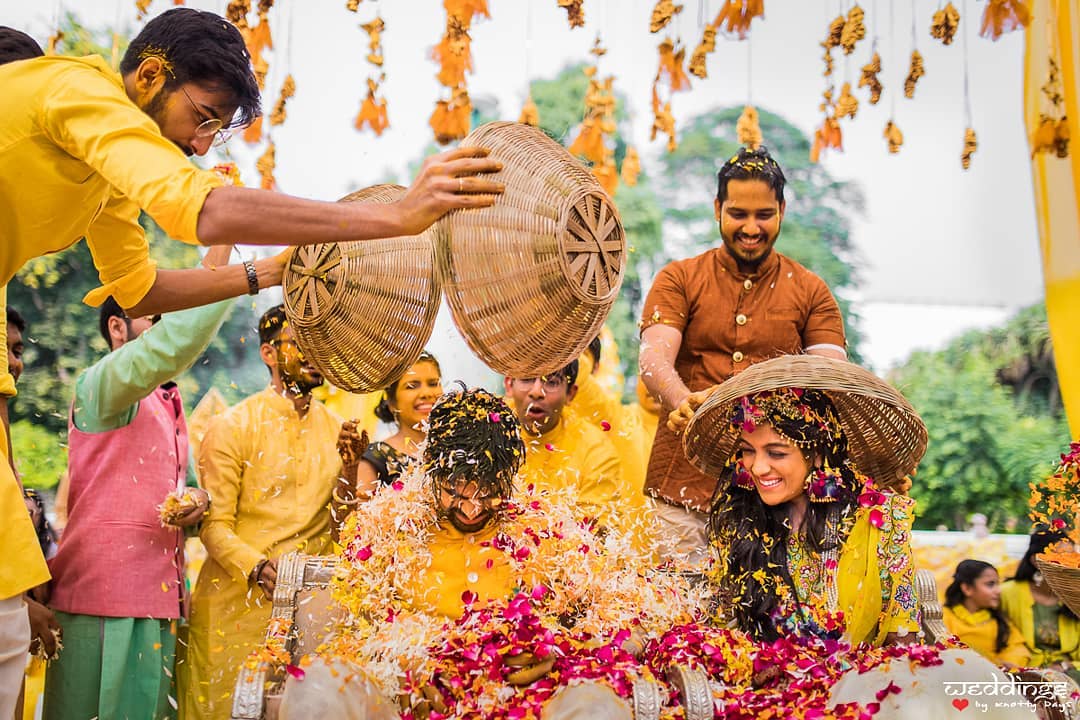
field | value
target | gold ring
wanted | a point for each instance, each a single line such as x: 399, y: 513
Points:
x: 461, y: 184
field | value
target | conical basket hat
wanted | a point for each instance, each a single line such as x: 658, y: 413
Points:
x: 531, y: 279
x: 886, y: 437
x: 362, y: 311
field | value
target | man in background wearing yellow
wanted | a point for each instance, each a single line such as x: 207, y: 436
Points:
x: 270, y: 463
x: 561, y: 449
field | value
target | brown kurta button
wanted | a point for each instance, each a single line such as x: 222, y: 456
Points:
x: 740, y: 319
x: 737, y: 356
x: 748, y: 283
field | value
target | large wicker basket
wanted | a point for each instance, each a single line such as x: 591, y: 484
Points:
x: 1063, y: 580
x: 886, y: 437
x: 530, y: 280
x: 362, y: 311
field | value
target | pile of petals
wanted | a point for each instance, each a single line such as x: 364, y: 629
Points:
x: 583, y: 588
x: 469, y: 663
x: 791, y: 677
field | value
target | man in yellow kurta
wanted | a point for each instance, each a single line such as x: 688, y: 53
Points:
x: 451, y: 536
x: 602, y: 409
x: 561, y: 449
x: 269, y: 464
x: 84, y: 148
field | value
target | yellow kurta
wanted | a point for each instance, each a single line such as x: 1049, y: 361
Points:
x: 269, y: 473
x: 578, y: 457
x: 649, y: 421
x: 459, y: 563
x: 978, y: 631
x: 79, y: 159
x: 1018, y: 605
x: 597, y: 406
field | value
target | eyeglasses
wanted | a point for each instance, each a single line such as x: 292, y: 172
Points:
x: 550, y: 383
x: 208, y: 127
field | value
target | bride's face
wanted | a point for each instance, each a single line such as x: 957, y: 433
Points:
x: 778, y: 468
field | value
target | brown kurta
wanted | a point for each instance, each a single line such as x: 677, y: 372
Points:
x: 729, y: 320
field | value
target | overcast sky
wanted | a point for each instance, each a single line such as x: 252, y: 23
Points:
x: 934, y: 236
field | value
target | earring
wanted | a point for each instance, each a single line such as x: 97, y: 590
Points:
x: 741, y: 477
x: 822, y: 485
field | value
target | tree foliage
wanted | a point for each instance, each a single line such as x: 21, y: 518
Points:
x: 986, y: 442
x: 40, y: 454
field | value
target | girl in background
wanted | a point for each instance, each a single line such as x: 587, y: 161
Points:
x: 973, y: 614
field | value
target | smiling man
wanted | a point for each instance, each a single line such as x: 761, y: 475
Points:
x: 270, y: 464
x: 562, y: 450
x: 709, y: 317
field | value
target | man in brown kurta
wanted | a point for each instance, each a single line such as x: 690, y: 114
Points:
x: 711, y: 316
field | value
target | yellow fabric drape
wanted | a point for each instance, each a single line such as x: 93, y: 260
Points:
x: 1057, y: 188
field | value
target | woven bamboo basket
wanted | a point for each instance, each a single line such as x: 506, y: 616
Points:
x: 1064, y: 581
x: 886, y: 437
x: 530, y: 280
x: 363, y: 311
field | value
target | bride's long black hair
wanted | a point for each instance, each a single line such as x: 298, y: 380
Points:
x: 751, y: 538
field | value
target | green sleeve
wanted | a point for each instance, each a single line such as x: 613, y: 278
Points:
x: 108, y: 392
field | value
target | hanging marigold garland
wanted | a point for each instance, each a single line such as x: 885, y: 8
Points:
x: 847, y: 105
x: 662, y: 13
x: 575, y: 14
x: 265, y: 166
x: 372, y: 112
x: 663, y: 121
x: 870, y: 79
x: 1003, y: 16
x: 706, y: 46
x: 142, y: 7
x: 529, y: 114
x: 748, y: 128
x: 288, y: 89
x: 452, y: 117
x: 829, y: 135
x: 631, y: 167
x: 971, y: 144
x: 915, y: 71
x: 945, y: 23
x: 737, y: 15
x: 256, y: 38
x: 598, y: 126
x: 853, y: 29
x: 894, y: 137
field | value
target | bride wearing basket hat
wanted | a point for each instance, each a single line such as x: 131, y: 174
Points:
x: 813, y: 555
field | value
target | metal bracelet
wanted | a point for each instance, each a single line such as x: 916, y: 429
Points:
x: 252, y: 277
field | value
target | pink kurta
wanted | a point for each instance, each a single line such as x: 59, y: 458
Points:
x: 115, y: 558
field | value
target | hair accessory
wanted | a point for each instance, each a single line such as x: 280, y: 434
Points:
x: 885, y: 437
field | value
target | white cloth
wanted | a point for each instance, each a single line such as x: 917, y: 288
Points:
x: 965, y: 685
x: 339, y: 693
x: 333, y: 693
x: 14, y: 644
